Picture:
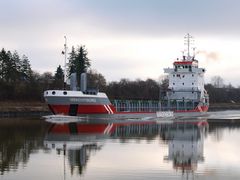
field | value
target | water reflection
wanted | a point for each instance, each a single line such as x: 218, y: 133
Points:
x: 18, y: 139
x: 78, y: 141
x: 118, y: 149
x: 185, y: 146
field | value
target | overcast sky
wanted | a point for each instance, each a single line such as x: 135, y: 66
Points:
x: 125, y: 38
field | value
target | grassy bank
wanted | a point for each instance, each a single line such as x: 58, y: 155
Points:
x: 22, y: 106
x: 224, y: 106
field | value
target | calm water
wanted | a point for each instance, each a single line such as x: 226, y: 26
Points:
x: 35, y: 149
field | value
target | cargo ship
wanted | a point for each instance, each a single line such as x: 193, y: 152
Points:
x: 185, y: 94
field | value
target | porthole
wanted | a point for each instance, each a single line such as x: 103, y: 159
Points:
x: 65, y: 92
x: 47, y: 92
x: 53, y: 93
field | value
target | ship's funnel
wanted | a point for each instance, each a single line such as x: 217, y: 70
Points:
x: 73, y: 82
x: 83, y: 82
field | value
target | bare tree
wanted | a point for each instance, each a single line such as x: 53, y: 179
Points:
x: 217, y: 82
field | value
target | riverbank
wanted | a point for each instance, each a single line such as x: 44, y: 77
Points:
x: 33, y: 108
x: 224, y: 106
x: 23, y: 109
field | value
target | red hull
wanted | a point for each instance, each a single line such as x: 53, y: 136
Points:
x: 107, y: 109
x: 83, y: 109
x: 197, y: 109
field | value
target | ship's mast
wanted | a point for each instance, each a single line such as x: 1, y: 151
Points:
x: 188, y: 41
x: 65, y: 63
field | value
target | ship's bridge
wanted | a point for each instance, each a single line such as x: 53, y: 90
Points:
x: 185, y: 67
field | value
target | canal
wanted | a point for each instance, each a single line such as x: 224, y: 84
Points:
x: 32, y: 148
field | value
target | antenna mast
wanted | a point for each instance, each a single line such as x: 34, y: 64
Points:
x: 65, y: 63
x: 188, y: 41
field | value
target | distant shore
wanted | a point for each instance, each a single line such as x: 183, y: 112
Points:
x: 224, y: 106
x: 35, y: 108
x: 23, y: 109
x: 23, y: 106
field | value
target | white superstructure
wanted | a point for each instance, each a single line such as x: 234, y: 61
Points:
x: 186, y: 76
x: 186, y: 83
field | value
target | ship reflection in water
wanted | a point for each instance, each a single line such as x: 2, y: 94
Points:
x: 185, y: 146
x: 79, y: 140
x: 118, y: 149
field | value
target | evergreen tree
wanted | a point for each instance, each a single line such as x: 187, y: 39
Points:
x: 4, y: 59
x: 78, y: 62
x: 25, y: 70
x: 82, y: 61
x: 17, y: 64
x: 3, y: 56
x: 58, y: 78
x: 71, y: 64
x: 59, y: 73
x: 10, y: 65
x: 10, y: 70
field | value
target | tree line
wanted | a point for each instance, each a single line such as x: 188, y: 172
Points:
x: 19, y: 82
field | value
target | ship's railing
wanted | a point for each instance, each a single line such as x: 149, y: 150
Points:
x: 136, y: 105
x: 178, y: 104
x: 154, y: 105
